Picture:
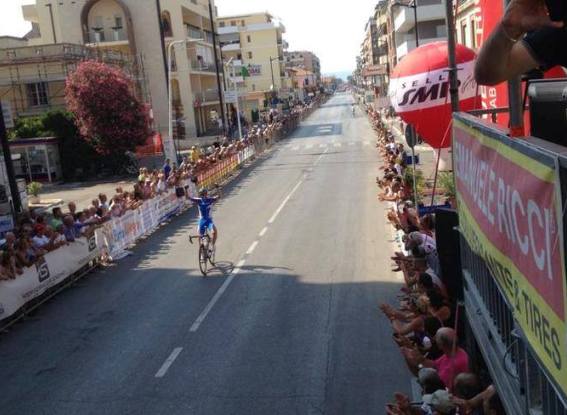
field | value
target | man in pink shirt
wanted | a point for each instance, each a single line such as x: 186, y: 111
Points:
x: 453, y: 361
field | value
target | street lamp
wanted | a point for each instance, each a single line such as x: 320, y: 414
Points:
x: 170, y: 89
x: 230, y: 63
x: 412, y: 5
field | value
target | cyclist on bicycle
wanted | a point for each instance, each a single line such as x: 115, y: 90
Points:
x: 204, y: 203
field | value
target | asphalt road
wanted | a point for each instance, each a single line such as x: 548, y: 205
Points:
x: 287, y: 325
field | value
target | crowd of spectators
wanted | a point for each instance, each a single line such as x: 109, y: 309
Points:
x: 424, y: 322
x: 275, y: 124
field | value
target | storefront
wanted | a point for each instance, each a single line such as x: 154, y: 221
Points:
x: 36, y: 159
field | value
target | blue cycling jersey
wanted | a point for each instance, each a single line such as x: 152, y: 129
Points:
x: 204, y: 205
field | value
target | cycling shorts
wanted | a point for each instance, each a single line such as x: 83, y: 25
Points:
x: 204, y: 225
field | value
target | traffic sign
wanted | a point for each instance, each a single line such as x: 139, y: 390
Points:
x: 230, y: 97
x: 7, y: 114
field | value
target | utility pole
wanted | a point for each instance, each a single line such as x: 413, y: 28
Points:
x: 217, y: 66
x: 16, y: 201
x: 415, y: 19
x: 453, y: 74
x: 272, y: 69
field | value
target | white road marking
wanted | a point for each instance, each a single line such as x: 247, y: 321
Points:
x: 263, y: 232
x: 252, y: 247
x: 168, y: 362
x: 240, y: 264
x: 365, y: 143
x: 295, y: 148
x: 216, y: 297
x: 308, y: 146
x: 280, y: 208
x: 338, y: 144
x: 322, y: 145
x: 320, y: 157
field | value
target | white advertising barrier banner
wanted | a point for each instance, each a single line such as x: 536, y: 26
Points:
x: 54, y: 268
x: 115, y: 236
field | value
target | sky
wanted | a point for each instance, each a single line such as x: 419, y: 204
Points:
x: 333, y: 30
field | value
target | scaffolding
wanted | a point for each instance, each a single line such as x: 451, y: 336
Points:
x: 32, y: 78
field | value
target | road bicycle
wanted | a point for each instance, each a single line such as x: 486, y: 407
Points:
x: 206, y: 253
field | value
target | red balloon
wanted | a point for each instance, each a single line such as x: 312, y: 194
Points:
x: 419, y: 90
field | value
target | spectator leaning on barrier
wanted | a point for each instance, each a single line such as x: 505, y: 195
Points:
x: 524, y: 39
x: 70, y: 230
x: 166, y: 168
x: 57, y: 218
x: 103, y: 201
x: 72, y: 208
x: 454, y: 360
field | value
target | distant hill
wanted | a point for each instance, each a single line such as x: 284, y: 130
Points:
x: 341, y: 74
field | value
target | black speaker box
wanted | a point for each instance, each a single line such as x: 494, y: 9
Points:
x: 548, y: 110
x: 449, y: 251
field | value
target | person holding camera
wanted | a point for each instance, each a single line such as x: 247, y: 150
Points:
x: 531, y: 34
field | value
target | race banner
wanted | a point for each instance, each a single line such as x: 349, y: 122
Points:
x: 49, y: 271
x: 510, y: 213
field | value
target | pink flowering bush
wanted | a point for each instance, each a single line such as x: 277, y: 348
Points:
x: 107, y: 112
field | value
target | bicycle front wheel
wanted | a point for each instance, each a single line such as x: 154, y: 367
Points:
x: 203, y: 258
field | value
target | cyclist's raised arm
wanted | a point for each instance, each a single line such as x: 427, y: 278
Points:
x: 194, y: 199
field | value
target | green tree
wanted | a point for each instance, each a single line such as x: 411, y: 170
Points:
x: 79, y: 159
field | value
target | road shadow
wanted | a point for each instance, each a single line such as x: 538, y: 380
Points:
x: 271, y: 333
x: 318, y: 130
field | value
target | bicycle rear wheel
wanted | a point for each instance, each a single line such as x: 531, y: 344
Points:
x: 203, y: 258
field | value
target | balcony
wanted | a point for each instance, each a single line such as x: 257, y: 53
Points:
x: 114, y: 35
x: 194, y: 33
x: 405, y: 47
x: 209, y: 96
x: 405, y: 20
x: 199, y: 65
x: 231, y: 47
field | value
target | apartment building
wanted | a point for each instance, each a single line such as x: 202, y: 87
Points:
x: 32, y: 78
x: 304, y: 59
x: 304, y: 83
x: 143, y: 31
x: 382, y: 79
x: 402, y: 26
x: 255, y: 41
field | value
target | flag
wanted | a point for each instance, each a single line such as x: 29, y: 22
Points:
x: 244, y: 72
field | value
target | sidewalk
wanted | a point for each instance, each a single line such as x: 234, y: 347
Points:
x: 83, y: 193
x: 427, y: 158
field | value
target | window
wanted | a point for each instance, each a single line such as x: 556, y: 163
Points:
x: 242, y: 23
x: 250, y: 55
x: 37, y: 94
x: 98, y: 22
x: 253, y: 87
x: 118, y: 22
x: 464, y: 34
x: 233, y: 22
x: 221, y: 24
x: 166, y: 24
x: 473, y: 33
x: 249, y: 38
